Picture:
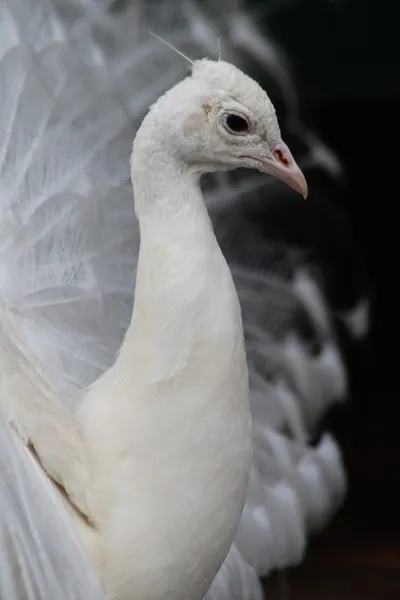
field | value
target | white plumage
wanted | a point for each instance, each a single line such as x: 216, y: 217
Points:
x: 68, y: 258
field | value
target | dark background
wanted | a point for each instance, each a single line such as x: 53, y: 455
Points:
x: 345, y: 57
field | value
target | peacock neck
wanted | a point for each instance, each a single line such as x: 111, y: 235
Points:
x: 178, y: 252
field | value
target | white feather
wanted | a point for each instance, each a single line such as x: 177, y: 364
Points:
x: 357, y: 320
x: 40, y: 555
x: 236, y: 580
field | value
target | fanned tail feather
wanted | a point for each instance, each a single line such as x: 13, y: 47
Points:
x: 75, y: 82
x: 236, y: 580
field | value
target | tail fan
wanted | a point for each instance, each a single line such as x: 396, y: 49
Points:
x: 74, y: 84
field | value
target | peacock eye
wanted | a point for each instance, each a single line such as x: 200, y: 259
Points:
x: 236, y: 124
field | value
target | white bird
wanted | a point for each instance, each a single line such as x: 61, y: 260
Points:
x: 68, y: 256
x: 170, y: 419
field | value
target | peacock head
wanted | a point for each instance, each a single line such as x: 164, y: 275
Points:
x: 218, y: 118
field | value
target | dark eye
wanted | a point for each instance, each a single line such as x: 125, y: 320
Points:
x: 237, y: 124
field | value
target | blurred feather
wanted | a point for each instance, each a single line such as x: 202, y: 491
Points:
x: 236, y: 580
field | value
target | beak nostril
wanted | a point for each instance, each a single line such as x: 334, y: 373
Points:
x: 281, y: 165
x: 281, y: 157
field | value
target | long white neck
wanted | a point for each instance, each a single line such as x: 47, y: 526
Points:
x: 168, y: 424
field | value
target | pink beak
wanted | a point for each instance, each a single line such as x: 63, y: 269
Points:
x: 283, y: 166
